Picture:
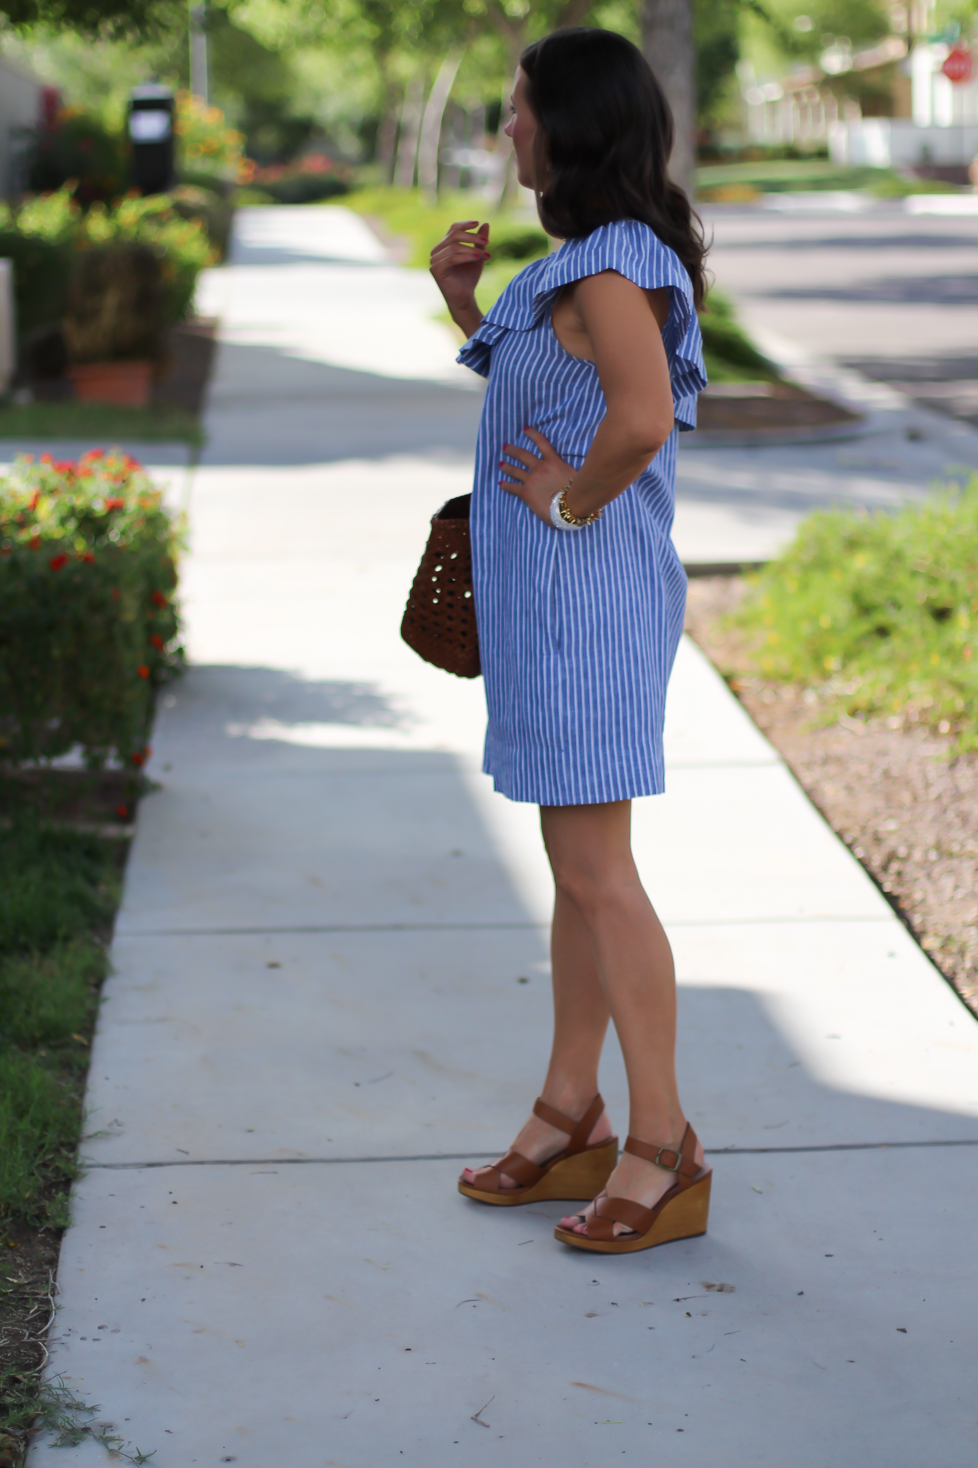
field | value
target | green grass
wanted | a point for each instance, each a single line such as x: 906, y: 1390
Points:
x: 792, y: 175
x: 405, y: 212
x: 94, y: 421
x: 58, y: 892
x: 878, y: 612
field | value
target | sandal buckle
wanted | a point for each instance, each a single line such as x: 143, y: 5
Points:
x: 669, y: 1166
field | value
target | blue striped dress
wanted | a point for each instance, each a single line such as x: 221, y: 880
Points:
x: 577, y: 631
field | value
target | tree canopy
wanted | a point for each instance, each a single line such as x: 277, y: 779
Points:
x: 108, y: 18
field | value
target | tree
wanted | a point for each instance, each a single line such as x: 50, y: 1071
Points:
x: 518, y: 24
x: 667, y: 41
x: 141, y: 19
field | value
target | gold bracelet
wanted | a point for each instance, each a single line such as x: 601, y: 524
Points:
x: 568, y: 514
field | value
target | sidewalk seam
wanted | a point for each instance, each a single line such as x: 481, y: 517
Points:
x: 461, y: 1156
x: 483, y: 927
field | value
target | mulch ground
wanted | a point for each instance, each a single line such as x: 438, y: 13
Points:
x: 903, y: 802
x: 750, y: 408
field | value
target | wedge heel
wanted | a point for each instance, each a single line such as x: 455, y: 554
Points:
x: 579, y: 1171
x: 682, y: 1212
x: 570, y: 1178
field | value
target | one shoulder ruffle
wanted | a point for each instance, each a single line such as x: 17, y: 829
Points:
x: 634, y: 251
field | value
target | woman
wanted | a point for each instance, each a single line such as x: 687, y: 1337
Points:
x: 593, y: 359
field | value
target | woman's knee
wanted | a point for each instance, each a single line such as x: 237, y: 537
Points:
x: 592, y: 888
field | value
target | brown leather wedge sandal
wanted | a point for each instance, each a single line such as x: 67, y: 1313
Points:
x: 681, y: 1213
x: 579, y: 1171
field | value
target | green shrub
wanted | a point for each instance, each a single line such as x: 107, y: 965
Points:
x: 728, y: 351
x: 182, y: 243
x: 210, y: 208
x: 41, y: 269
x: 43, y: 234
x: 880, y: 612
x: 88, y: 628
x: 309, y: 181
x: 518, y: 244
x: 115, y: 305
x: 77, y: 148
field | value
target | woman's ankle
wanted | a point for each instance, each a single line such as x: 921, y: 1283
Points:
x: 569, y: 1096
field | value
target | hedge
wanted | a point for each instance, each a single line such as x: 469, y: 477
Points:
x: 43, y: 233
x: 88, y: 625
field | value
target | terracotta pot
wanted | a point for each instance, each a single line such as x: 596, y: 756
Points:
x: 121, y: 384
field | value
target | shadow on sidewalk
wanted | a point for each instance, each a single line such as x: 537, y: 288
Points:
x: 273, y: 407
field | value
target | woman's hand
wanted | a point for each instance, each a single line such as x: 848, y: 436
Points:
x: 456, y: 264
x: 543, y: 477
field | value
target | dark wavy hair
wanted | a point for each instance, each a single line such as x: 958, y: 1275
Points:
x: 605, y: 132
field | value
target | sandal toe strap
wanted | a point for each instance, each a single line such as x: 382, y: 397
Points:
x: 609, y: 1211
x: 514, y: 1165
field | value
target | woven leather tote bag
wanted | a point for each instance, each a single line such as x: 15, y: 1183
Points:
x: 439, y: 619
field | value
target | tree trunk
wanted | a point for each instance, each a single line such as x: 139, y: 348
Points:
x: 387, y: 131
x: 407, y: 143
x: 431, y: 125
x: 667, y: 40
x: 386, y: 135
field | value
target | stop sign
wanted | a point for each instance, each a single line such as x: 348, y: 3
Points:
x: 958, y: 66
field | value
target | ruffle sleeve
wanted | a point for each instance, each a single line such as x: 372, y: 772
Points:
x: 634, y: 251
x: 514, y: 311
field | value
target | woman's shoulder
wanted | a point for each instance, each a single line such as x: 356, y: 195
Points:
x: 628, y: 246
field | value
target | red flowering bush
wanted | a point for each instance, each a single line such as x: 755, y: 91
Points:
x: 88, y: 626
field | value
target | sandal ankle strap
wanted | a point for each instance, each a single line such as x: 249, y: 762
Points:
x: 578, y: 1131
x: 680, y: 1160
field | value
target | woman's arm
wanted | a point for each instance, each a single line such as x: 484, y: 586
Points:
x: 456, y: 264
x: 625, y: 342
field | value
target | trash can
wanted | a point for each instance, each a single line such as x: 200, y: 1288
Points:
x: 151, y: 110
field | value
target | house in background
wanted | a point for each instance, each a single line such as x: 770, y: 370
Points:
x: 22, y: 103
x: 889, y: 106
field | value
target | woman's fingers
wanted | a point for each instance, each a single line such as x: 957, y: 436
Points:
x: 545, y: 446
x: 524, y: 456
x: 463, y: 233
x: 458, y: 254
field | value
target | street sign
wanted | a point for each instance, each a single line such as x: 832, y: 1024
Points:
x: 959, y: 65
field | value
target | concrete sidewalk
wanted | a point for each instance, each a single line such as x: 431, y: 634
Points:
x: 325, y: 896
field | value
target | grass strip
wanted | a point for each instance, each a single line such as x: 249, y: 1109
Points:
x: 124, y: 426
x: 59, y: 890
x: 794, y: 175
x: 878, y: 613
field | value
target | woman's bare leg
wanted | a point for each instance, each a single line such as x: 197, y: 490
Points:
x: 590, y: 853
x: 580, y: 1022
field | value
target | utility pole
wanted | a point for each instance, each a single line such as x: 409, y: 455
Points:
x: 667, y: 41
x: 198, y: 50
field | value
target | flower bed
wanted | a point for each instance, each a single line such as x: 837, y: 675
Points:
x: 88, y: 625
